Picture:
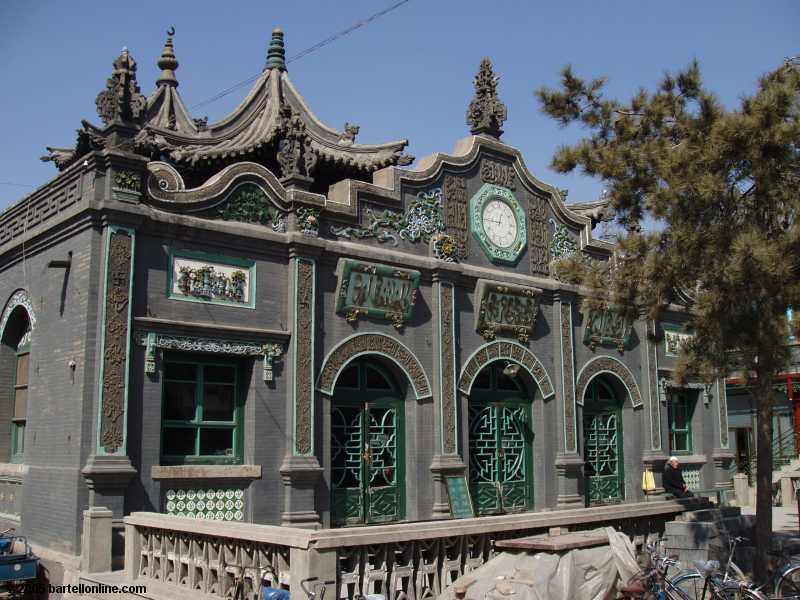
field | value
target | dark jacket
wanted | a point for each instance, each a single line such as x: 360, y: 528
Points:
x: 673, y: 480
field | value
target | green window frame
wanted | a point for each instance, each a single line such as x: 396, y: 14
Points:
x: 201, y: 412
x: 19, y: 415
x: 681, y: 411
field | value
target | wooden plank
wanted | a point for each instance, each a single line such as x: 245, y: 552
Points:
x: 555, y: 543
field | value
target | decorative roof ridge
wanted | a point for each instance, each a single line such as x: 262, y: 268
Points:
x: 346, y: 138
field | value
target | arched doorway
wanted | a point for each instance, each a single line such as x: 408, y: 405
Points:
x: 367, y: 470
x: 602, y: 443
x: 500, y: 441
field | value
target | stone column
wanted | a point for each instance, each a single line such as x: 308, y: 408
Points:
x: 722, y: 455
x: 301, y: 471
x: 447, y: 460
x: 569, y: 463
x: 653, y: 455
x: 96, y: 540
x: 108, y: 470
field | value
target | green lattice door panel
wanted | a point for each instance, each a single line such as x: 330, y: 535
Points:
x: 366, y: 448
x: 500, y: 436
x: 602, y: 446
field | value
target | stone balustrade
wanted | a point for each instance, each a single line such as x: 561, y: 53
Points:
x: 415, y: 560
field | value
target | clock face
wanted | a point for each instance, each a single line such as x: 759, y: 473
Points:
x: 499, y: 223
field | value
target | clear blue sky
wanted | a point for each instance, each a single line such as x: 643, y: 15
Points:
x: 407, y: 75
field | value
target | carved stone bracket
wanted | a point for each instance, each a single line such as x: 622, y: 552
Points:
x: 373, y: 343
x: 153, y: 341
x: 506, y: 308
x: 607, y: 364
x: 665, y: 384
x: 509, y: 351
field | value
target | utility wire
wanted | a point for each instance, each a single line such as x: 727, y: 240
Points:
x: 306, y: 52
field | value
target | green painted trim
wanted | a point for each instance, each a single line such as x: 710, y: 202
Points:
x: 197, y: 424
x: 295, y: 338
x: 488, y: 192
x: 574, y: 447
x: 689, y: 399
x: 99, y: 450
x: 228, y: 261
x: 595, y: 408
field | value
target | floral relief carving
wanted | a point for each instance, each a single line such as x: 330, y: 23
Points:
x: 116, y: 340
x: 568, y: 366
x: 606, y: 364
x: 448, y: 370
x: 377, y: 344
x: 500, y: 350
x: 303, y: 366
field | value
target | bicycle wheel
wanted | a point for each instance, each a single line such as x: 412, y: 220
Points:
x: 687, y: 585
x: 789, y: 583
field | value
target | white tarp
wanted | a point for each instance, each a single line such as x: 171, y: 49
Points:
x: 581, y: 574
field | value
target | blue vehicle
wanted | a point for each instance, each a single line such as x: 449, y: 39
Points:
x: 18, y: 563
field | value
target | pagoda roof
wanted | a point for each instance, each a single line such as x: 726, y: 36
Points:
x: 271, y: 113
x: 257, y: 121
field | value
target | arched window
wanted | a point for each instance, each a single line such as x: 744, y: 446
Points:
x: 15, y: 377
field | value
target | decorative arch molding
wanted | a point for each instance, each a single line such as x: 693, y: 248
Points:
x: 607, y: 364
x: 505, y: 350
x: 373, y: 343
x: 18, y: 298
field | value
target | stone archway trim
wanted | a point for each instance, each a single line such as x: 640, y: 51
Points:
x: 373, y: 343
x: 607, y: 364
x: 505, y: 350
x: 18, y: 298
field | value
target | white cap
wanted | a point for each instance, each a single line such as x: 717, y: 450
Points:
x: 671, y: 458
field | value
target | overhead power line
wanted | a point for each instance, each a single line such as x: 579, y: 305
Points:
x: 306, y: 52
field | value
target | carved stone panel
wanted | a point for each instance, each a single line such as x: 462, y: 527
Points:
x: 303, y: 337
x: 498, y: 173
x: 606, y: 364
x: 607, y: 328
x: 447, y: 368
x: 568, y: 378
x: 115, y: 343
x: 378, y: 291
x: 500, y: 350
x: 373, y: 343
x: 673, y: 340
x: 456, y: 212
x: 538, y: 236
x: 202, y: 277
x: 506, y: 308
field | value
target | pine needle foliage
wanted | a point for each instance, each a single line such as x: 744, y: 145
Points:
x: 724, y: 187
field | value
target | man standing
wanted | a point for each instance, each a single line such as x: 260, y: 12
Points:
x: 673, y: 479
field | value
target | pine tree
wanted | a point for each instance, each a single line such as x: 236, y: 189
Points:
x: 723, y: 189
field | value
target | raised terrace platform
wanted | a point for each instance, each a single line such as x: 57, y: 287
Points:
x: 206, y: 558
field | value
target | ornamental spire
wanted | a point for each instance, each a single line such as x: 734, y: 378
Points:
x: 486, y: 113
x: 168, y: 63
x: 276, y: 55
x: 122, y: 100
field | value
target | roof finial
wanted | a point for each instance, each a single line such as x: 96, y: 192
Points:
x: 168, y: 63
x: 276, y: 55
x: 121, y: 101
x: 486, y: 113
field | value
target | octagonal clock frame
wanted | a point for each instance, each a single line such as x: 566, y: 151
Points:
x: 488, y: 192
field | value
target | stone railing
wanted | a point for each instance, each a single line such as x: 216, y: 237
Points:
x: 409, y: 560
x: 41, y: 205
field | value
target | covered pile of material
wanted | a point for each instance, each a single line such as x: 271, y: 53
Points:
x: 581, y: 574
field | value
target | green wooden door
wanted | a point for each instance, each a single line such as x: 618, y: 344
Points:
x: 500, y: 440
x: 366, y: 447
x: 602, y: 445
